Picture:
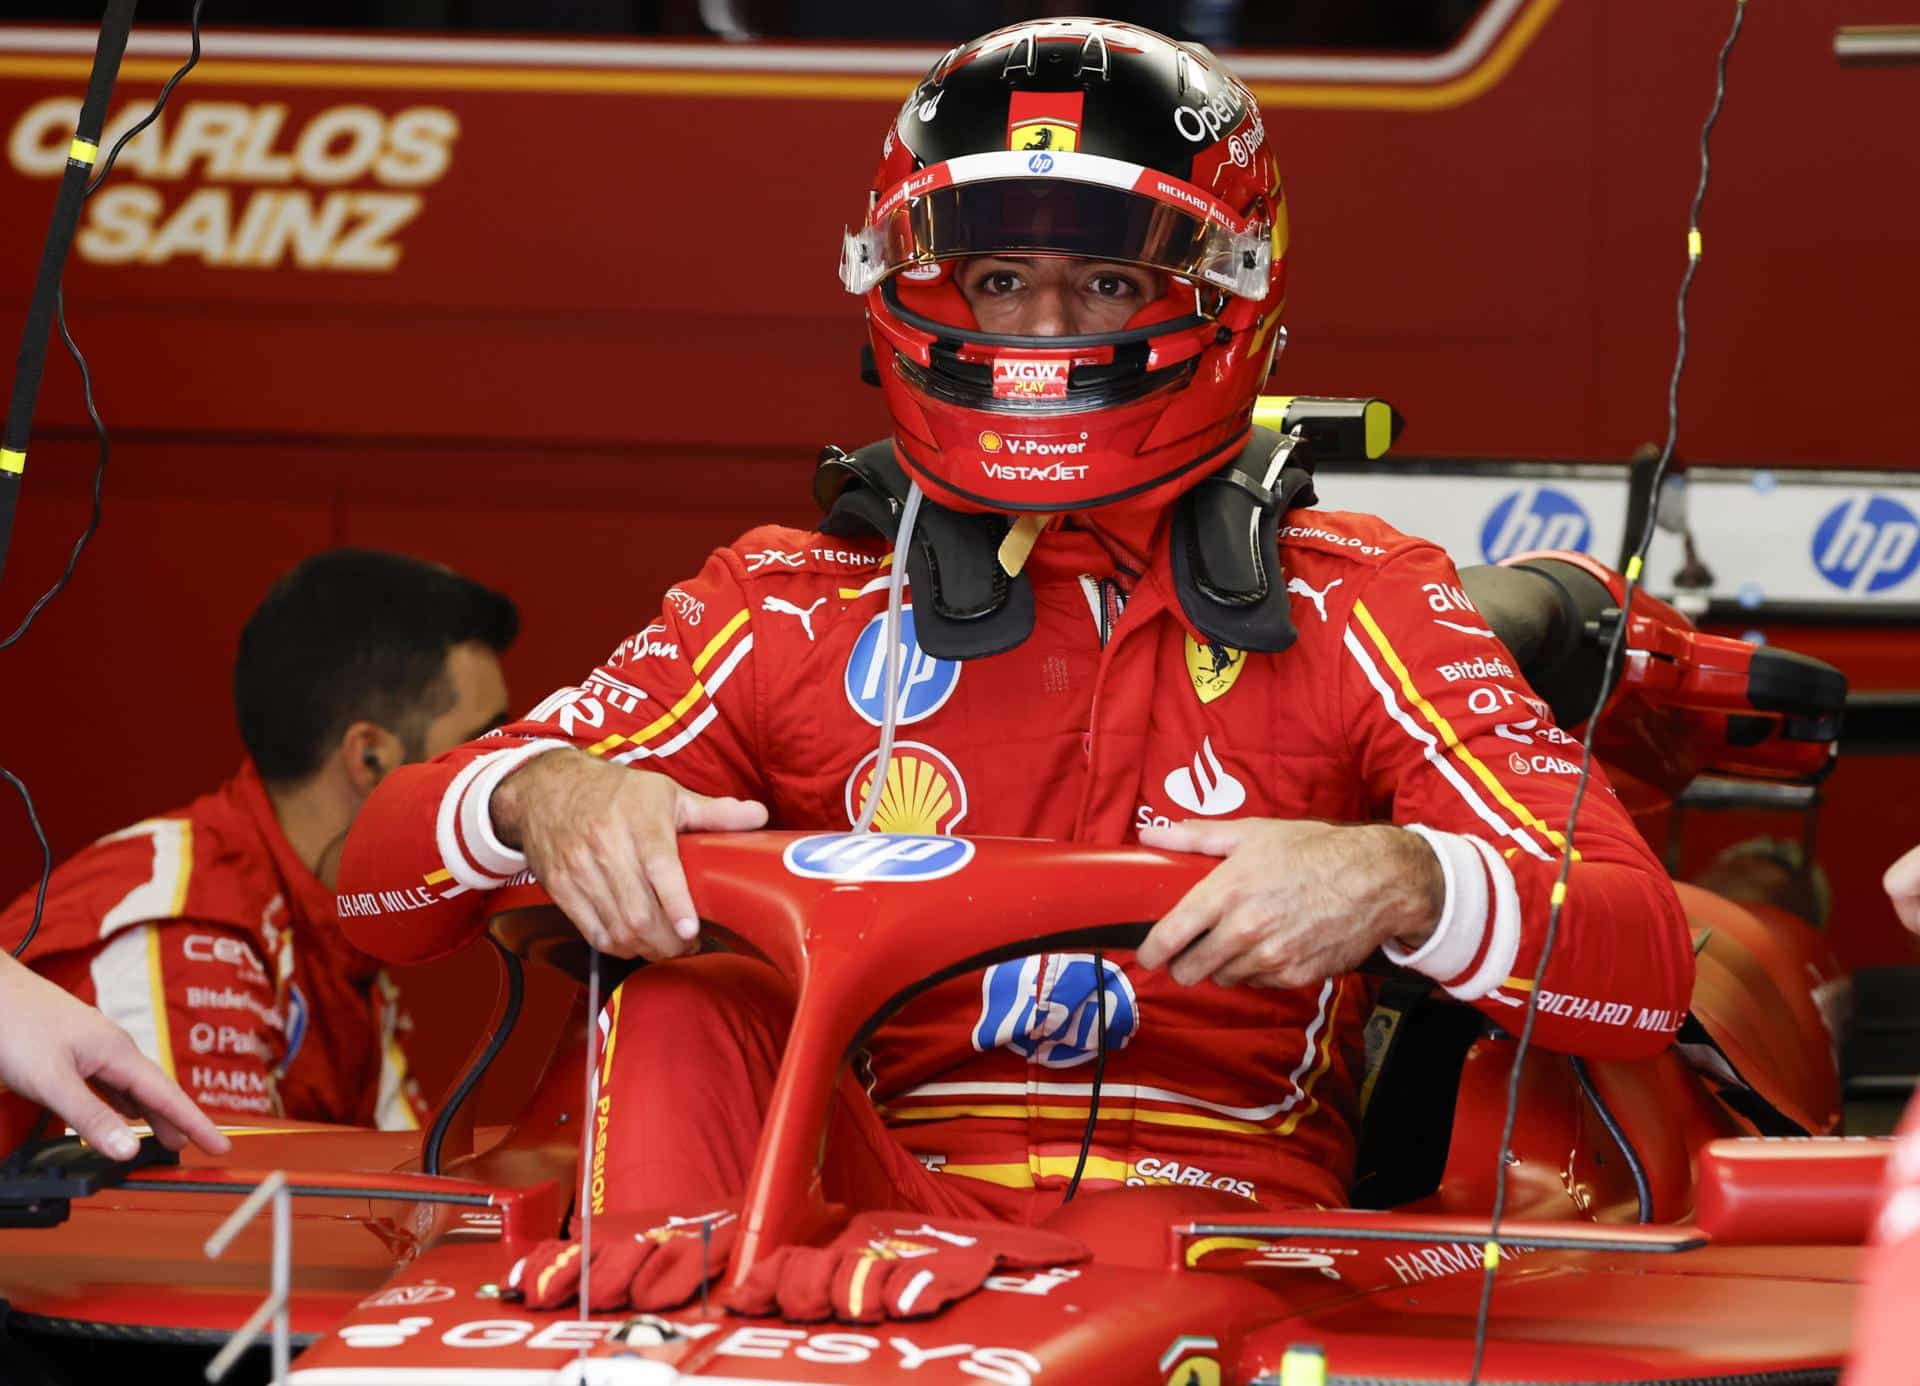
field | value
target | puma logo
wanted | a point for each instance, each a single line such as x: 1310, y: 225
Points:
x: 1319, y: 598
x: 786, y: 608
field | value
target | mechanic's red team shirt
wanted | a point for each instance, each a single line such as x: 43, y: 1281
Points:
x: 1886, y: 1337
x: 206, y: 938
x: 763, y: 678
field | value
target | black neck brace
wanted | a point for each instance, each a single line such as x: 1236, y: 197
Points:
x: 1224, y: 540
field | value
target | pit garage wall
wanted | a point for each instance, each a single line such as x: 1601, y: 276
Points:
x: 609, y: 336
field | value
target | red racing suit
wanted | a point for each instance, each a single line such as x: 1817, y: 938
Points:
x: 203, y: 936
x: 761, y: 679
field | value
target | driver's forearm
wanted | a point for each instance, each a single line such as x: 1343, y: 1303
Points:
x: 410, y: 888
x: 510, y: 791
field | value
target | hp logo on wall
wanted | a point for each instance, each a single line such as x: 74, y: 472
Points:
x: 1867, y: 544
x: 1535, y: 517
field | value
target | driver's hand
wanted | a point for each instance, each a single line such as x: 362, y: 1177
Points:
x: 1295, y: 902
x: 600, y: 838
x: 60, y: 1052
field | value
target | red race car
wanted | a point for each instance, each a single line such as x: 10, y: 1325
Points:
x: 1649, y: 1236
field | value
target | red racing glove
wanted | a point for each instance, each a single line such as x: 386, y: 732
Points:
x: 660, y: 1266
x: 890, y: 1267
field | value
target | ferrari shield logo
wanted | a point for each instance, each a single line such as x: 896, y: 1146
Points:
x: 1045, y: 121
x: 1049, y: 135
x: 1213, y: 668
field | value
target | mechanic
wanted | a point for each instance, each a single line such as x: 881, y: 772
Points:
x: 1886, y: 1340
x: 209, y: 933
x: 1073, y: 266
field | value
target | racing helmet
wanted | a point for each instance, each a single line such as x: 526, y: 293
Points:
x: 1091, y: 139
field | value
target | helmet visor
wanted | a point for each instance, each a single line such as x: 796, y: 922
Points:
x: 1166, y: 226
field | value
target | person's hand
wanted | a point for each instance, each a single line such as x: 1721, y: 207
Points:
x: 600, y: 838
x: 1294, y: 902
x: 1903, y: 888
x: 52, y: 1046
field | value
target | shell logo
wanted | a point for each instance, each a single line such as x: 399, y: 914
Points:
x: 924, y: 793
x: 990, y: 441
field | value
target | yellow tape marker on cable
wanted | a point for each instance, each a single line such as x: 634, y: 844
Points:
x: 1559, y: 896
x: 82, y: 151
x: 11, y: 461
x: 1303, y: 1366
x: 1693, y: 243
x: 1490, y: 1256
x: 1633, y: 568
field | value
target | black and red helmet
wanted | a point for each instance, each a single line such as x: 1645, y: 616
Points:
x: 1092, y: 139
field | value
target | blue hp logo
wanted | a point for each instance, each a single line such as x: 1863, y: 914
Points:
x: 1052, y: 1022
x: 1041, y: 163
x: 876, y: 856
x: 1535, y: 517
x: 925, y: 682
x: 1867, y: 544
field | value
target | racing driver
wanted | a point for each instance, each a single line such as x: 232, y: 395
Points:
x: 1073, y: 262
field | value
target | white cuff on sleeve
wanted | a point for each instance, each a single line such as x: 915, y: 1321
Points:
x: 1503, y: 940
x: 1456, y: 939
x: 469, y: 847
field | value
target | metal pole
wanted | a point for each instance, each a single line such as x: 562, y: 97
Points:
x: 282, y: 1281
x: 273, y: 1189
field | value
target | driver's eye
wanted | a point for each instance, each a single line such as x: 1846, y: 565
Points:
x: 999, y: 282
x: 1110, y: 286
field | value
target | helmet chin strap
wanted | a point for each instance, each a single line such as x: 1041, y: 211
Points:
x: 890, y: 700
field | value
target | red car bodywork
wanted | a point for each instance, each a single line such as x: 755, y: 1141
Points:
x: 1745, y: 1266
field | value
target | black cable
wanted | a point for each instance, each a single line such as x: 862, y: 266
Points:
x: 73, y: 349
x: 46, y: 859
x: 1611, y: 668
x: 99, y: 470
x: 516, y: 992
x: 1099, y: 1074
x: 1642, y: 1190
x: 160, y: 102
